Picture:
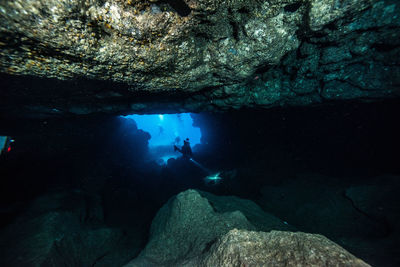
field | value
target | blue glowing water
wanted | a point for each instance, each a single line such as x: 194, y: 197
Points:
x: 168, y: 129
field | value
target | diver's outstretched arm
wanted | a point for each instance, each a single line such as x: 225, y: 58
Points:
x: 177, y: 149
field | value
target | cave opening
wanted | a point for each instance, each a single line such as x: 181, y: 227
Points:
x: 166, y: 132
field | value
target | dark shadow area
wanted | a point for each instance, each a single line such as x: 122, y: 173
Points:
x: 35, y: 97
x: 179, y: 6
x: 292, y: 7
x: 331, y: 170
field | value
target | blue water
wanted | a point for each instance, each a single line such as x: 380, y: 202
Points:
x: 168, y: 129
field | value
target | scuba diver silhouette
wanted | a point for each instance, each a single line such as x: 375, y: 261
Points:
x: 186, y: 150
x: 187, y: 154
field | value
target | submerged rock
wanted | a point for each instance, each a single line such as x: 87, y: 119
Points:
x: 262, y: 220
x: 378, y: 200
x: 188, y: 224
x: 64, y: 229
x: 184, y: 227
x: 193, y: 55
x: 27, y: 243
x: 200, y: 229
x: 361, y: 215
x: 247, y: 248
x: 100, y: 247
x: 317, y: 204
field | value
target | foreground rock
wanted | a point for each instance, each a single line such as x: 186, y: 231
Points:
x: 361, y: 215
x: 317, y: 204
x: 64, y: 229
x: 187, y: 226
x: 195, y: 229
x: 246, y: 248
x: 205, y: 54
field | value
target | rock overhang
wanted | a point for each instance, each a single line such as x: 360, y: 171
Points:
x: 121, y: 56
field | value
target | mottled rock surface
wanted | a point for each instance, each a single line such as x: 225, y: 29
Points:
x: 188, y: 224
x: 196, y: 230
x: 71, y: 57
x: 246, y: 248
x: 64, y: 229
x: 319, y: 207
x: 360, y: 216
x: 146, y: 44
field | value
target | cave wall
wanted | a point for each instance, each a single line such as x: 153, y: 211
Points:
x: 66, y: 58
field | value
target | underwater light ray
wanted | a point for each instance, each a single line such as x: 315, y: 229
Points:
x: 165, y: 128
x: 167, y: 131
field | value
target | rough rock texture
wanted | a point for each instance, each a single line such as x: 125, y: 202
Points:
x: 100, y: 247
x: 360, y: 216
x: 188, y: 224
x: 378, y: 200
x: 261, y: 220
x: 246, y: 248
x: 191, y: 230
x: 64, y: 229
x: 192, y: 55
x: 319, y: 207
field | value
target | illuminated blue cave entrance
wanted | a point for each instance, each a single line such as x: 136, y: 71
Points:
x: 167, y: 130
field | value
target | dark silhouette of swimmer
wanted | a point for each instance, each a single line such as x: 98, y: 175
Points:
x: 186, y: 150
x: 161, y: 130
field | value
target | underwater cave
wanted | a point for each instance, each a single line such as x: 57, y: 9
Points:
x: 329, y: 170
x: 199, y: 133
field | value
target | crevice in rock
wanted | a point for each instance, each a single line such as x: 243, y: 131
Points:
x: 235, y: 30
x: 99, y: 259
x: 263, y: 69
x: 209, y: 245
x: 304, y: 31
x: 291, y: 8
x: 234, y: 23
x: 179, y: 6
x: 243, y: 10
x: 380, y: 47
x: 212, y: 206
x: 387, y: 229
x: 332, y: 26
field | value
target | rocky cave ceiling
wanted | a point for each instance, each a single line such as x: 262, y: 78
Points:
x: 74, y: 57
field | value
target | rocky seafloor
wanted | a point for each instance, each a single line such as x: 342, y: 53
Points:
x: 299, y: 187
x: 192, y: 229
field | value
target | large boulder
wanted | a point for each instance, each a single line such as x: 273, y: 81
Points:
x: 318, y: 204
x: 200, y: 229
x: 247, y: 248
x: 188, y: 224
x: 62, y: 58
x: 85, y: 207
x: 262, y: 220
x: 378, y: 200
x: 28, y: 242
x: 361, y: 215
x: 99, y: 247
x: 65, y: 229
